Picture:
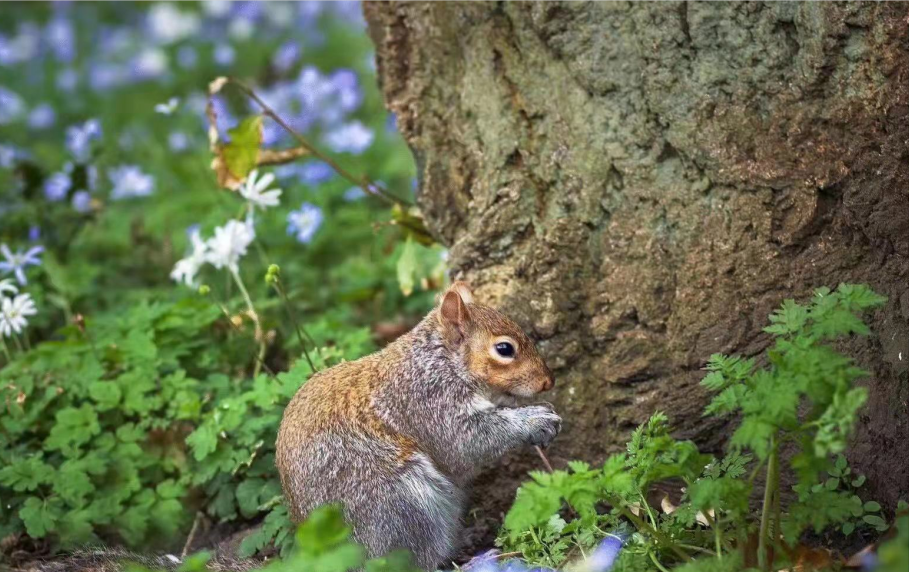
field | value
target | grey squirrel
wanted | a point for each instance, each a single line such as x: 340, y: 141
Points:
x: 397, y: 436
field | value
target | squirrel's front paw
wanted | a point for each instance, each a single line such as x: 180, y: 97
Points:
x: 544, y: 424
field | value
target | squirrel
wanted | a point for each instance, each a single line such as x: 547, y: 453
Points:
x: 397, y: 436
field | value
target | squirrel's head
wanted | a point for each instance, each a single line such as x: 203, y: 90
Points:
x: 494, y: 347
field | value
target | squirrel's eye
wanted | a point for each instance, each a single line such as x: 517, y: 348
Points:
x: 505, y: 349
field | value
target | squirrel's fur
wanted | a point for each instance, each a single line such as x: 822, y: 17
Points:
x: 397, y: 436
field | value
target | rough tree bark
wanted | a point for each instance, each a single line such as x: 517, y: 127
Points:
x: 641, y: 184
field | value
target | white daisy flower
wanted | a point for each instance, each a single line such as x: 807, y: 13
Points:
x: 13, y: 312
x: 254, y: 190
x: 230, y: 243
x: 185, y: 269
x: 6, y: 285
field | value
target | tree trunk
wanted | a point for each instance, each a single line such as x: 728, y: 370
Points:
x: 640, y: 185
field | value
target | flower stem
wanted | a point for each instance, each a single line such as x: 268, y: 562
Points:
x: 5, y: 349
x: 657, y: 562
x: 656, y: 534
x: 767, y: 508
x: 260, y: 337
x: 18, y: 343
x: 299, y: 329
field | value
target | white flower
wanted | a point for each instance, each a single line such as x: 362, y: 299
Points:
x: 168, y: 107
x: 230, y: 243
x: 13, y: 312
x: 185, y: 270
x: 6, y: 285
x: 255, y: 191
x: 16, y: 263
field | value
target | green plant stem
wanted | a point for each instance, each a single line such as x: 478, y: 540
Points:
x: 657, y: 562
x: 718, y: 538
x: 18, y: 344
x: 656, y: 534
x: 767, y: 507
x: 5, y: 350
x: 259, y: 335
x: 279, y: 288
x: 646, y: 505
x: 694, y: 548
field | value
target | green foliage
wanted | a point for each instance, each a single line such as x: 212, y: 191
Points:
x: 322, y: 544
x: 92, y: 433
x: 804, y: 396
x: 129, y: 409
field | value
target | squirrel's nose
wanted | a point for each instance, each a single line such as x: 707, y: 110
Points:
x: 549, y: 383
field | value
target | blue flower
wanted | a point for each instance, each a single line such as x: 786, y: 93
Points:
x: 605, y: 555
x: 304, y: 222
x: 79, y: 139
x: 42, y: 116
x: 8, y: 156
x: 18, y: 262
x: 129, y: 181
x: 353, y: 194
x: 353, y: 137
x: 82, y: 201
x: 286, y: 56
x: 187, y: 57
x: 11, y: 106
x: 178, y: 141
x: 56, y: 186
x: 224, y: 55
x: 346, y: 86
x: 316, y: 172
x: 103, y: 76
x: 61, y: 37
x: 67, y: 79
x: 391, y: 123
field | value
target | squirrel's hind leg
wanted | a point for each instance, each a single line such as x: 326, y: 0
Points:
x: 417, y: 508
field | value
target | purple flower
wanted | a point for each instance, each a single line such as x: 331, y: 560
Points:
x: 187, y: 57
x: 67, y: 79
x: 34, y: 233
x: 11, y: 106
x: 8, y: 156
x: 61, y: 37
x: 129, y: 181
x: 224, y: 55
x: 346, y: 86
x: 286, y: 56
x: 42, y: 116
x: 79, y: 139
x: 353, y: 137
x: 304, y: 223
x: 605, y: 555
x: 82, y: 201
x: 56, y: 186
x: 391, y: 123
x: 17, y: 262
x: 350, y: 12
x: 178, y: 141
x: 104, y: 76
x: 316, y: 172
x: 353, y: 194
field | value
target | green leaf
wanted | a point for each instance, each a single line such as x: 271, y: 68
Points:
x: 323, y: 530
x: 407, y: 267
x: 242, y: 153
x: 26, y: 474
x: 40, y: 516
x: 858, y: 481
x: 875, y: 521
x: 74, y: 427
x: 848, y: 528
x: 106, y: 393
x: 871, y: 506
x: 832, y: 484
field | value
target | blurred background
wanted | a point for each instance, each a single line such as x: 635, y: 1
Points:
x: 118, y: 363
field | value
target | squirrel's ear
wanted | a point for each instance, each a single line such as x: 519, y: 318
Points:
x: 453, y: 312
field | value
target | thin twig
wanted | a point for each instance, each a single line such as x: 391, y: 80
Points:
x: 300, y: 330
x: 362, y: 182
x: 192, y: 535
x: 542, y: 455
